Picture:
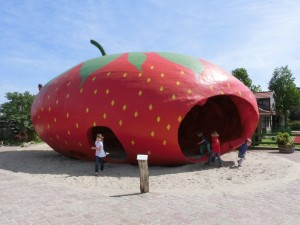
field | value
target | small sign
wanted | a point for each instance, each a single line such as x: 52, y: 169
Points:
x: 142, y: 157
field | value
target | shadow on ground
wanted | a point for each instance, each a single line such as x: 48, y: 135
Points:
x: 51, y: 162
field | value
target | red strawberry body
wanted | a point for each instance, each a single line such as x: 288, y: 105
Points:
x: 143, y: 103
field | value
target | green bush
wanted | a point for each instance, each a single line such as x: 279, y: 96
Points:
x: 282, y: 138
x: 36, y: 138
x: 295, y: 123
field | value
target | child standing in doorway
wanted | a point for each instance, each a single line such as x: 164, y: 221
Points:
x: 215, y: 149
x: 204, y: 144
x: 99, y: 153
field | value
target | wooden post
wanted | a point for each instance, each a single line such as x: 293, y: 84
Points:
x: 144, y: 178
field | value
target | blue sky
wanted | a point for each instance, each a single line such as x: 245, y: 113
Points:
x: 43, y: 38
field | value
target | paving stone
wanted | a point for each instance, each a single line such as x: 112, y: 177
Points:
x: 32, y: 202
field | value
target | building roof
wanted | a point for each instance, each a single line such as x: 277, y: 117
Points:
x: 263, y: 94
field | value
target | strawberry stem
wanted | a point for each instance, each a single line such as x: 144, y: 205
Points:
x: 99, y: 47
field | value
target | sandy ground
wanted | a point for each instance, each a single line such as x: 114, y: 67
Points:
x: 262, y: 170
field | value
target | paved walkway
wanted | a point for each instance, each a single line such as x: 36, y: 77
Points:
x: 34, y: 202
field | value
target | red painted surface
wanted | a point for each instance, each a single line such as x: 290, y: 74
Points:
x: 157, y: 110
x: 297, y: 140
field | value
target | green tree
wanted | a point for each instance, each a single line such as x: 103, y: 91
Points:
x: 255, y: 88
x: 17, y: 110
x: 242, y: 75
x: 287, y: 94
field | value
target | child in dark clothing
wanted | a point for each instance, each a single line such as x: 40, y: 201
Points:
x: 243, y: 150
x: 204, y: 144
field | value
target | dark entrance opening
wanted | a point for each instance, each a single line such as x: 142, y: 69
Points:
x: 111, y: 143
x: 219, y: 114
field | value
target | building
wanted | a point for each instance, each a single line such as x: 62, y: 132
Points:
x: 267, y: 111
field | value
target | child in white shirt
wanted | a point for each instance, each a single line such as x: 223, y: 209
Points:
x: 99, y: 153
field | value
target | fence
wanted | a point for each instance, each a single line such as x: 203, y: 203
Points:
x: 8, y: 130
x: 5, y: 133
x: 269, y: 139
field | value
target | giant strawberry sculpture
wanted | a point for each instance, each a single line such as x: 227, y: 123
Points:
x: 150, y: 103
